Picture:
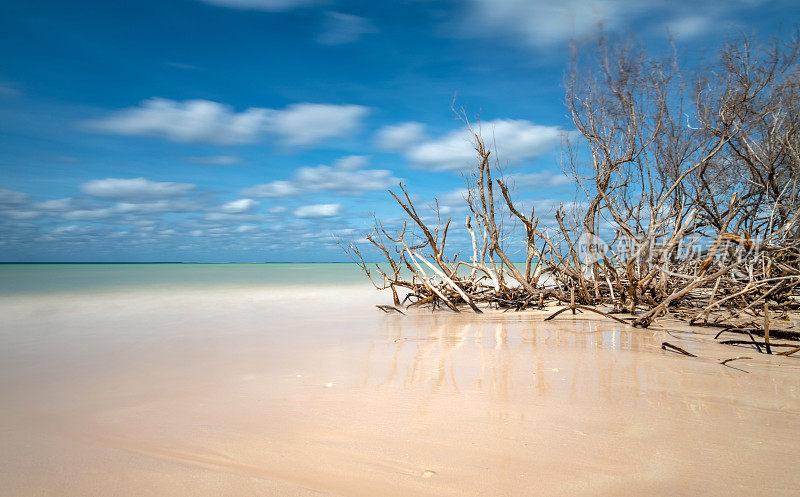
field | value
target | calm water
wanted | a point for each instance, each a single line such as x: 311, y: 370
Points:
x: 46, y: 278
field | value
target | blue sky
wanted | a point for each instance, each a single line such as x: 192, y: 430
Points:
x: 254, y: 130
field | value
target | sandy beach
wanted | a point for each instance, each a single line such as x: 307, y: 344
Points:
x: 313, y: 391
x: 483, y: 248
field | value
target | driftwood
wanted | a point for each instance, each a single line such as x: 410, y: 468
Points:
x: 669, y: 346
x: 388, y: 309
x: 726, y: 361
x: 687, y: 203
x: 574, y: 307
x: 745, y: 342
x: 781, y: 334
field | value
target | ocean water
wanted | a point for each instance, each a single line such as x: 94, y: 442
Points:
x: 25, y: 279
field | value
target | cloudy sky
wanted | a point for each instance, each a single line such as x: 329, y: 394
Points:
x: 254, y: 130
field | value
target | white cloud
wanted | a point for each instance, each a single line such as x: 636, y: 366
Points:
x: 451, y: 152
x: 20, y: 214
x: 305, y: 124
x: 19, y: 205
x: 345, y: 177
x: 123, y: 211
x: 11, y: 197
x: 239, y: 206
x: 275, y: 189
x: 266, y: 5
x: 400, y: 136
x: 61, y: 204
x: 89, y: 214
x: 689, y: 27
x: 453, y: 202
x: 115, y: 224
x: 189, y: 121
x: 544, y: 23
x: 516, y: 141
x: 135, y: 189
x: 541, y: 179
x: 318, y: 211
x: 339, y: 28
x: 168, y: 205
x: 204, y: 121
x: 332, y: 179
x: 72, y: 229
x: 351, y: 162
x: 219, y: 160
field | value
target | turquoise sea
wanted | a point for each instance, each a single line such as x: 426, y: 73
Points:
x: 18, y: 279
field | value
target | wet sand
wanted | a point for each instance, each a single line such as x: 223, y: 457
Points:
x: 315, y: 392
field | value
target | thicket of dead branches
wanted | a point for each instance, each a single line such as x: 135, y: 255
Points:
x: 687, y: 200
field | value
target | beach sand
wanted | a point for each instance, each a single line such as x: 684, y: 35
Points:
x: 304, y: 391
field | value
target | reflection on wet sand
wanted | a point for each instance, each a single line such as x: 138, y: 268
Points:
x: 429, y: 347
x: 254, y: 397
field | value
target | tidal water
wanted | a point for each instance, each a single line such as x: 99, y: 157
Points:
x: 26, y: 279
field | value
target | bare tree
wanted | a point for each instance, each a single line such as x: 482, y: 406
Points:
x: 691, y: 177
